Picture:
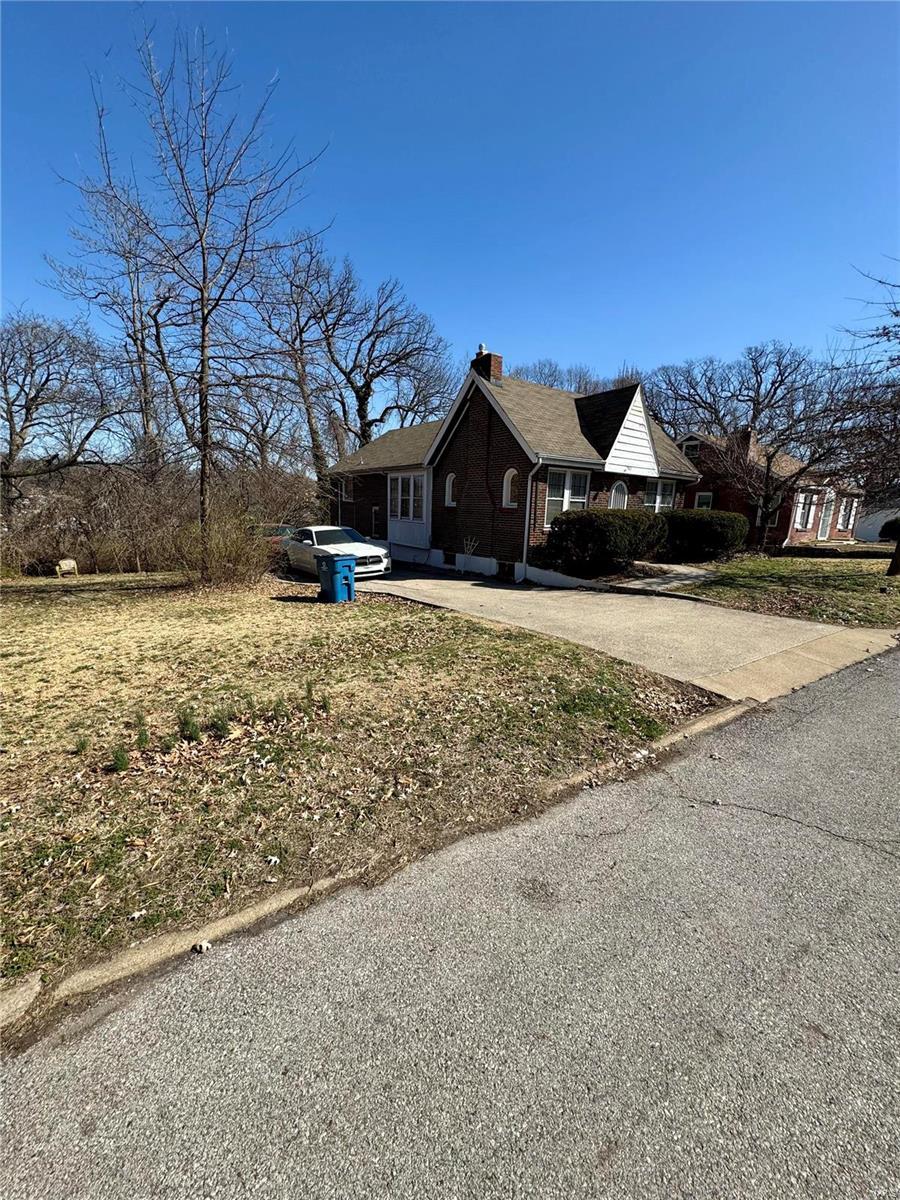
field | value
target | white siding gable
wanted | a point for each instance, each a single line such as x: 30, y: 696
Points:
x: 632, y: 452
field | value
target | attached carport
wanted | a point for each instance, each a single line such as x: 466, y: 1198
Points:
x: 739, y: 655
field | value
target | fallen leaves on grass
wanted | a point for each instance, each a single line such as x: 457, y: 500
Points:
x: 277, y: 740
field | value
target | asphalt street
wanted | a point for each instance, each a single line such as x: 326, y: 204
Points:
x: 682, y: 985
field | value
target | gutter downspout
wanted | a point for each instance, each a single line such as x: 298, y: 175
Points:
x: 527, y: 538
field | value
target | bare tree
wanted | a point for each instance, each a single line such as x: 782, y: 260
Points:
x: 884, y: 334
x: 578, y: 377
x: 386, y: 360
x: 60, y: 395
x: 172, y: 257
x: 289, y: 299
x: 775, y: 415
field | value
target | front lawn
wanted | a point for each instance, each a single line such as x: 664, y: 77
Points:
x: 844, y: 591
x: 171, y: 754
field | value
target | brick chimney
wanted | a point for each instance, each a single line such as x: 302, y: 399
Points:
x: 488, y: 366
x: 750, y: 442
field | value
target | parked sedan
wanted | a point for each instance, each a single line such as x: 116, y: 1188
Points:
x: 341, y: 542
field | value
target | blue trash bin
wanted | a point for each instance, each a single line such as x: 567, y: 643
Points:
x: 337, y: 577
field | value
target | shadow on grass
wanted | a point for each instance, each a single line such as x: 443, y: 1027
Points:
x: 821, y: 582
x: 308, y: 599
x: 48, y: 588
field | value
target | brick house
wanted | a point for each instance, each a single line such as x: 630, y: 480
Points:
x: 482, y: 486
x: 813, y: 508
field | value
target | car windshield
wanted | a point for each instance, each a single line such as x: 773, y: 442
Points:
x: 335, y: 537
x: 276, y: 530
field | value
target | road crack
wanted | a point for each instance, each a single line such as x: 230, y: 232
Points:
x: 780, y: 816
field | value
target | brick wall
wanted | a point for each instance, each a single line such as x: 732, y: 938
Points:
x: 730, y: 499
x: 367, y: 511
x: 479, y: 452
x: 800, y: 537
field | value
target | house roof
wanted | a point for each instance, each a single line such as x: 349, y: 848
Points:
x: 551, y: 423
x: 783, y: 464
x: 567, y: 425
x: 397, y: 448
x: 671, y: 460
x: 546, y: 418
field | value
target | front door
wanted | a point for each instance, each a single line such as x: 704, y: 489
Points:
x: 825, y: 519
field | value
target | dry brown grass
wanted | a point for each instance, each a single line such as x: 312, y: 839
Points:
x: 330, y: 737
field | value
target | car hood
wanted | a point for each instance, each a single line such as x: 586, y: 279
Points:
x: 349, y: 548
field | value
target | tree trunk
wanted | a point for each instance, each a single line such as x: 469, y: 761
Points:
x: 894, y: 564
x: 203, y: 416
x: 316, y: 444
x: 364, y: 420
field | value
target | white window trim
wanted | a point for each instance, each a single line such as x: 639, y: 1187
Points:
x: 690, y: 442
x: 658, y: 481
x: 410, y: 475
x: 449, y: 484
x: 846, y: 518
x: 697, y: 503
x: 347, y: 488
x: 567, y: 491
x: 618, y: 487
x: 798, y: 515
x: 508, y: 478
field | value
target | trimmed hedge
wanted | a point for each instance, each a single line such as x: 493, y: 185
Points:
x: 593, y: 541
x: 701, y: 534
x: 890, y: 530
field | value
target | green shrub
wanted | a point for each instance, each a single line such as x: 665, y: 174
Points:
x: 890, y: 530
x: 702, y: 534
x: 595, y: 541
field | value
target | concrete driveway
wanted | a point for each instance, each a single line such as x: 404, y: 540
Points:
x: 737, y: 654
x: 684, y: 985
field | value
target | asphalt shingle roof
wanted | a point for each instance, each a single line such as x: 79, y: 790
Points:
x: 554, y: 423
x: 558, y: 424
x: 546, y: 417
x: 396, y: 448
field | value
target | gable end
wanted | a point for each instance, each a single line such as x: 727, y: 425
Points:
x: 632, y: 452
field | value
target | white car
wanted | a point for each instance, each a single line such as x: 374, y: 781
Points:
x: 308, y: 544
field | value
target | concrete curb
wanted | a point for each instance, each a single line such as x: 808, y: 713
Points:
x: 702, y: 724
x: 15, y: 1001
x: 16, y: 998
x: 138, y: 960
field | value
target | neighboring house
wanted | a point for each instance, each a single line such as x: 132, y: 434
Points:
x: 813, y: 508
x: 868, y: 527
x: 482, y: 486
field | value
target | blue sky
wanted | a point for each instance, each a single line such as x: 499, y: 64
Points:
x: 590, y: 182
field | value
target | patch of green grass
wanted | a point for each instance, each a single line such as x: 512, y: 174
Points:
x: 119, y: 760
x: 188, y: 725
x: 142, y: 738
x: 846, y: 591
x: 82, y: 742
x: 220, y: 722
